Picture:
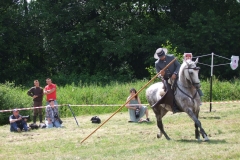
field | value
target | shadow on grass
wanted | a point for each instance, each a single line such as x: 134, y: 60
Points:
x: 215, y: 117
x: 143, y: 123
x: 147, y: 123
x: 214, y: 141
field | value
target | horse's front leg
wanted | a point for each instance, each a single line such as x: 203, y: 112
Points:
x: 197, y: 135
x: 197, y: 124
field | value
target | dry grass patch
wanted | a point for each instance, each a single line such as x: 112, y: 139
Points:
x: 118, y: 139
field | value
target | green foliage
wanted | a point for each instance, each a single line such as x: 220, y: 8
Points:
x: 12, y: 97
x: 221, y: 90
x: 114, y: 93
x: 102, y: 41
x: 173, y: 50
x: 152, y: 71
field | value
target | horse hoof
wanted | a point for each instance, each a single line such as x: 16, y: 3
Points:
x: 159, y: 135
x: 206, y: 139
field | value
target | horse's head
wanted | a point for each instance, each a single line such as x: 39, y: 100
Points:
x: 189, y: 73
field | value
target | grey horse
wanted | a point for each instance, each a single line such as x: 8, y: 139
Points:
x: 186, y: 98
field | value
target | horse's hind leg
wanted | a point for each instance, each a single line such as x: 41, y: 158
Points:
x: 197, y: 124
x: 160, y: 126
x: 159, y: 116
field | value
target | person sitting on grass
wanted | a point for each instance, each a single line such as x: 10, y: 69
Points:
x: 17, y: 123
x: 52, y: 115
x: 135, y: 109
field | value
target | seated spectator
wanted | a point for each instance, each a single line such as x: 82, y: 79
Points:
x: 52, y: 115
x: 135, y: 109
x: 17, y: 123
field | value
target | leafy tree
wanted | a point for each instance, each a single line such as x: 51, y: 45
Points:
x: 100, y: 41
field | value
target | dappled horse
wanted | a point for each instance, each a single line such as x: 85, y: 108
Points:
x: 186, y: 97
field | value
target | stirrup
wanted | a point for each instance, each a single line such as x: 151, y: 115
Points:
x: 156, y: 104
x: 176, y: 111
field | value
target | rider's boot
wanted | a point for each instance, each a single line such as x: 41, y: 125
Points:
x: 200, y: 92
x: 175, y: 108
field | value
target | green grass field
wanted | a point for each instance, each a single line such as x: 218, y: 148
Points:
x: 118, y: 139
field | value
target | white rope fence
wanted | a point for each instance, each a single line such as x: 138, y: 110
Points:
x: 106, y: 105
x: 30, y: 108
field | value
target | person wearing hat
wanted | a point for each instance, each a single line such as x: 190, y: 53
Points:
x: 52, y: 115
x: 17, y: 123
x: 171, y: 73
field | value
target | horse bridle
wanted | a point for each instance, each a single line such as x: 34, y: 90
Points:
x: 193, y: 83
x: 195, y: 68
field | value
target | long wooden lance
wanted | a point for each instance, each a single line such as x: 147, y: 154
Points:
x: 129, y: 99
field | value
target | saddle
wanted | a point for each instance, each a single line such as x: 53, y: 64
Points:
x: 168, y: 96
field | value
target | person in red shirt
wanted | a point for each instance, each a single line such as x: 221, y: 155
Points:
x: 51, y: 91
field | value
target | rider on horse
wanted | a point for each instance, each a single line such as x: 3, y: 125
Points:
x: 171, y: 74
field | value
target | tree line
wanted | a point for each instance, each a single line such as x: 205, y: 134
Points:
x: 101, y: 41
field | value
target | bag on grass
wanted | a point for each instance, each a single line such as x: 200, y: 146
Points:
x: 33, y: 126
x: 42, y: 125
x: 95, y: 119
